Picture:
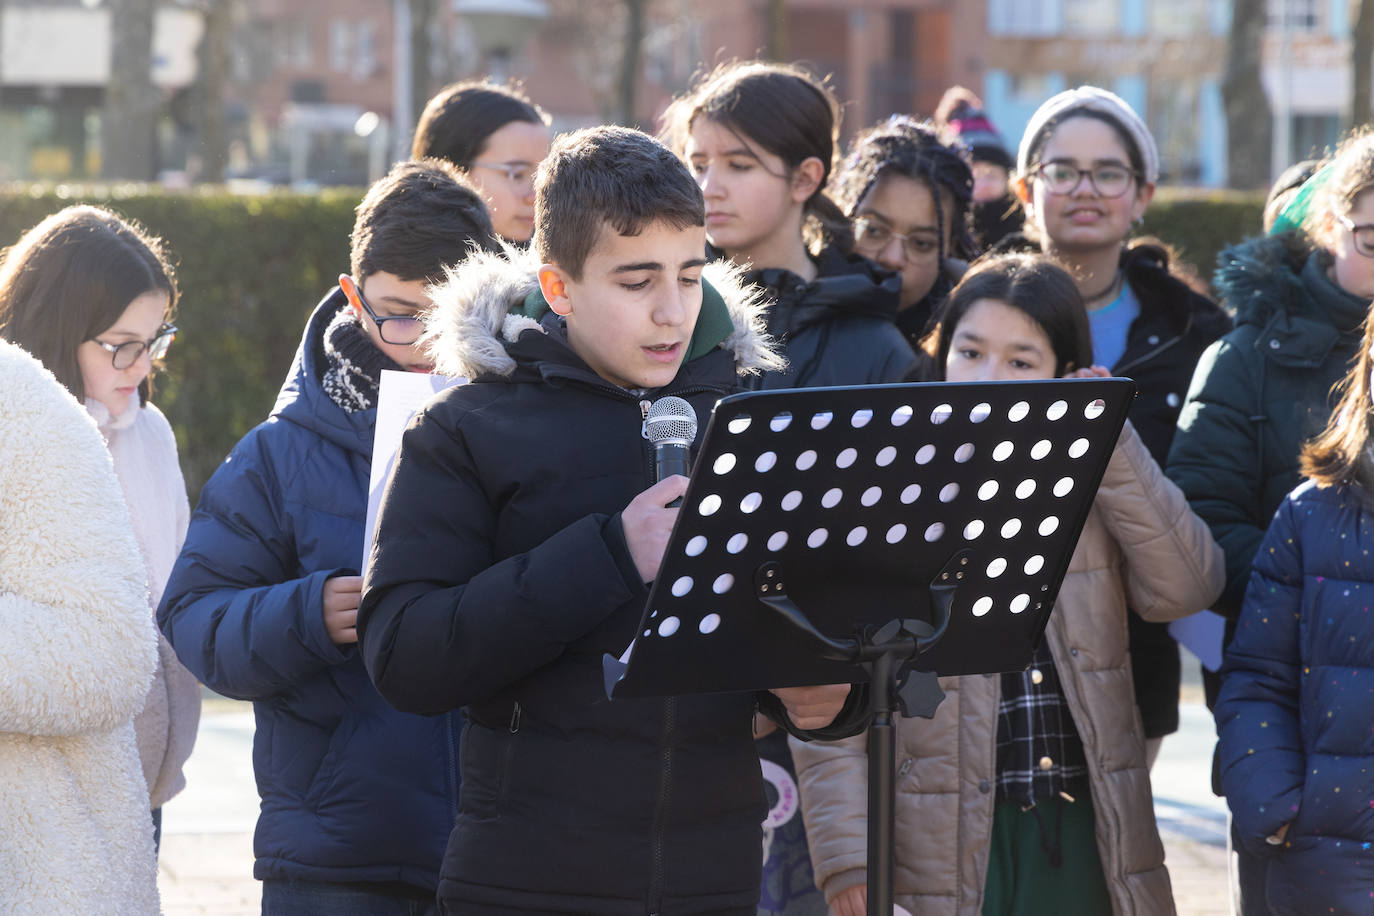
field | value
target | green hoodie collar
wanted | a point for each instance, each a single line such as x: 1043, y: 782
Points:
x: 714, y: 323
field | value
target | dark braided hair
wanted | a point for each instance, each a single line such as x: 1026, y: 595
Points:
x: 903, y: 146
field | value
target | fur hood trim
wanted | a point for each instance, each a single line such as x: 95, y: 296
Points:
x: 477, y: 310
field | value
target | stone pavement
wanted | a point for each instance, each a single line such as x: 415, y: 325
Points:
x: 206, y: 863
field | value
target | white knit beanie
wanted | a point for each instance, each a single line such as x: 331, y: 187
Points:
x: 1098, y: 100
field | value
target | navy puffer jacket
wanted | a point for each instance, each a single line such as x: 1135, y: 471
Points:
x: 352, y: 790
x: 1294, y: 713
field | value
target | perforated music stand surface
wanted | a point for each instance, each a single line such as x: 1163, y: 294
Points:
x: 862, y: 495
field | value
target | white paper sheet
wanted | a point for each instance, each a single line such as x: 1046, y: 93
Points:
x: 1201, y: 634
x: 400, y: 397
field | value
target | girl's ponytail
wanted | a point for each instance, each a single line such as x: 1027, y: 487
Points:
x: 826, y: 224
x: 786, y: 111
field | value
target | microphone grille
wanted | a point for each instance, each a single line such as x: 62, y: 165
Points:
x: 669, y: 419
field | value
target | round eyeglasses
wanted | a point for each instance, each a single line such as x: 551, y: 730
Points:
x: 1362, y: 234
x: 124, y: 355
x: 1064, y: 177
x: 520, y: 174
x: 873, y: 236
x: 401, y: 330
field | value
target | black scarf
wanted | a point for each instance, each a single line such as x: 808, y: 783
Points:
x: 353, y: 364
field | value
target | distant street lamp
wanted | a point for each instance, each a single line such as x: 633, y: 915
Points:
x: 501, y: 26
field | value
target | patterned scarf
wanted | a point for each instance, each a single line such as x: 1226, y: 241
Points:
x: 354, y: 364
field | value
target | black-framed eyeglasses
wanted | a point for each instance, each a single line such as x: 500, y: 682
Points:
x: 1363, y: 234
x: 520, y: 174
x: 402, y: 330
x: 873, y: 235
x: 1107, y: 180
x: 124, y: 355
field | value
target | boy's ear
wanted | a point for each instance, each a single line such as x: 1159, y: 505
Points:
x: 553, y: 283
x: 350, y: 291
x: 806, y: 178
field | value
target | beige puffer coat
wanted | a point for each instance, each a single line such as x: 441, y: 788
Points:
x: 1141, y: 541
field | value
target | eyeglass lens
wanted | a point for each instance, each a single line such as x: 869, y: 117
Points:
x: 129, y: 352
x: 1107, y: 180
x: 399, y: 329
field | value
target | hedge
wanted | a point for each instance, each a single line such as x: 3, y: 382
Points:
x: 252, y: 267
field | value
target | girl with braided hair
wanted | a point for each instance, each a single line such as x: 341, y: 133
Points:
x: 907, y: 194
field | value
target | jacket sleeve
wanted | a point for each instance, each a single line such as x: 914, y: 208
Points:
x: 443, y: 621
x: 77, y: 645
x: 833, y: 780
x: 1173, y: 567
x: 1260, y: 746
x: 240, y: 618
x: 1215, y: 461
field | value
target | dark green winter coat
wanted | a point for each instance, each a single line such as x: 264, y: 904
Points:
x: 1260, y: 392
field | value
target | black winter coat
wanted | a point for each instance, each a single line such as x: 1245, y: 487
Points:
x: 839, y: 329
x: 500, y: 577
x: 1260, y: 392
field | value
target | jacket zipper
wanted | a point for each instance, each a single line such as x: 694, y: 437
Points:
x: 665, y: 792
x: 1146, y: 357
x: 453, y: 767
x: 509, y: 755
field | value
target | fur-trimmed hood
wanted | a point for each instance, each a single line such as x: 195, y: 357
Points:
x: 478, y: 310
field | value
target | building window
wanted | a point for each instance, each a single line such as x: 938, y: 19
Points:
x: 340, y: 46
x: 1091, y: 17
x: 1298, y: 15
x: 302, y: 57
x: 1181, y: 18
x: 1313, y: 135
x: 1024, y: 17
x: 365, y: 61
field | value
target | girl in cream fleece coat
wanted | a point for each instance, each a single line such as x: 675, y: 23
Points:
x: 77, y: 651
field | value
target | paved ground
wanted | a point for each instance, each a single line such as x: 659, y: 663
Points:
x: 207, y: 849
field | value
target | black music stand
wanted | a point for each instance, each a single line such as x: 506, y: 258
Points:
x: 902, y: 531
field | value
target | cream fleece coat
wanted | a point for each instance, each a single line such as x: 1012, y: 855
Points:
x: 77, y: 653
x: 145, y: 459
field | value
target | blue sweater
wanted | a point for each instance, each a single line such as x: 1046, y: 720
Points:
x: 352, y: 790
x: 1296, y: 711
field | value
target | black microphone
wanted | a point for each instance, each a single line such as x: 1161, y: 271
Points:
x: 671, y: 425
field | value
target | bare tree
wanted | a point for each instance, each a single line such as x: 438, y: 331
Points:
x: 422, y: 13
x: 1361, y: 53
x: 1249, y: 121
x: 631, y: 56
x: 777, y: 29
x: 128, y: 124
x: 213, y: 59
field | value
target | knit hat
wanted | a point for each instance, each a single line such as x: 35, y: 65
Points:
x: 1101, y: 101
x: 971, y: 127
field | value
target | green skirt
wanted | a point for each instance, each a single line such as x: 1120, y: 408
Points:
x: 1045, y: 861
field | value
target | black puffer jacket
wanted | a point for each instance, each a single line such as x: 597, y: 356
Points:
x: 839, y: 329
x: 499, y: 578
x: 1261, y: 392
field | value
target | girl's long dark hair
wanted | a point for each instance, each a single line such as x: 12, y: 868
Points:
x: 783, y: 109
x: 458, y: 120
x: 1334, y: 456
x: 1032, y: 283
x: 70, y: 277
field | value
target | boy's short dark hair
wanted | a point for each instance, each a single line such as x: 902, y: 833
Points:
x: 608, y: 176
x: 417, y: 218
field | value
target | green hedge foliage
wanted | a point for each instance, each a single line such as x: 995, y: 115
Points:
x: 251, y: 268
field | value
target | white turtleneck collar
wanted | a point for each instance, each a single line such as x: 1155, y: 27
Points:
x: 106, y: 421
